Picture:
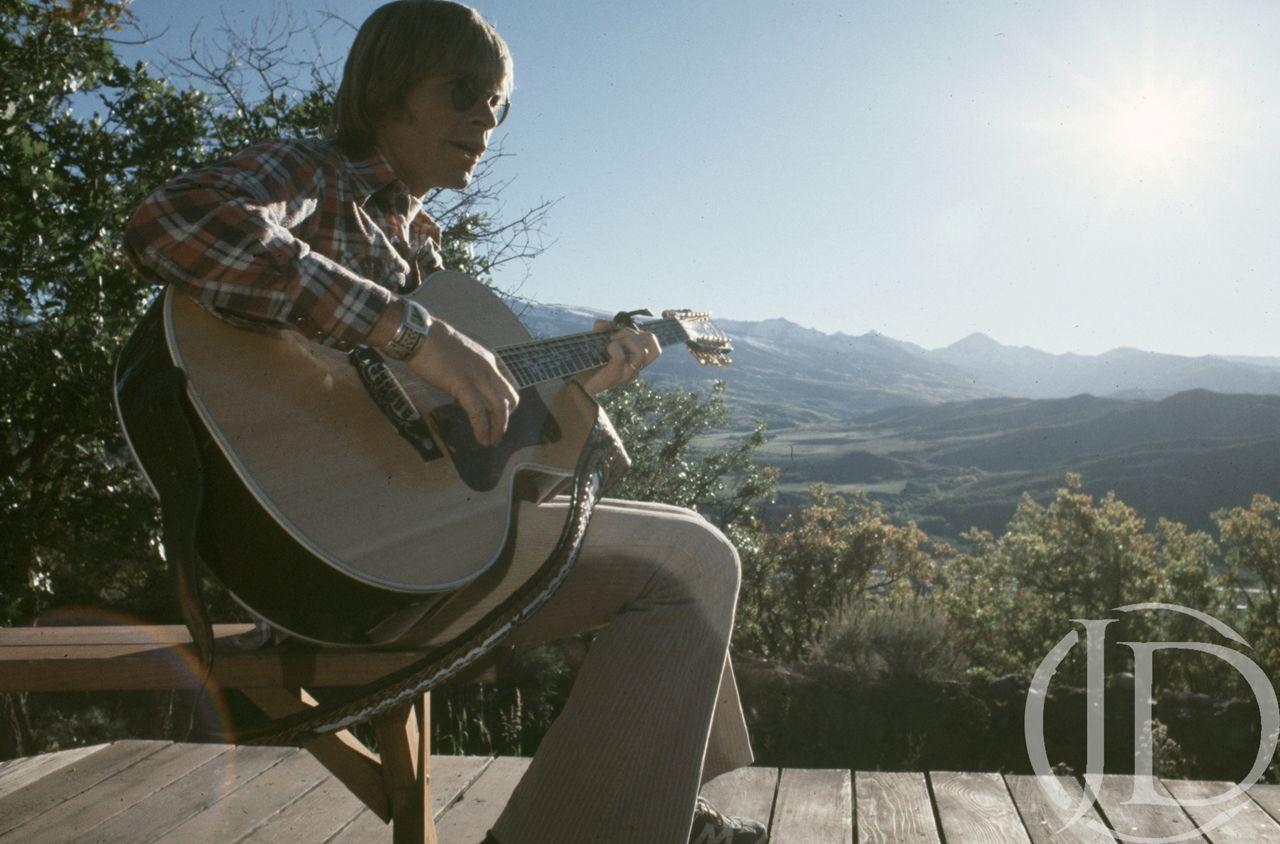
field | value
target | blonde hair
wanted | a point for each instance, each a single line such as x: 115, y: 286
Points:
x: 398, y: 45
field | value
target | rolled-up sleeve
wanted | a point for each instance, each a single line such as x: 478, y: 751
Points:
x: 235, y: 238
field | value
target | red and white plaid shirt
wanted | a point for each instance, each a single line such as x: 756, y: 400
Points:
x: 293, y: 232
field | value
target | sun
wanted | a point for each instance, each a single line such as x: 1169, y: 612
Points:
x: 1151, y: 123
x: 1153, y: 128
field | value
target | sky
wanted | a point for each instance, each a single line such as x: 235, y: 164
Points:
x: 1070, y: 176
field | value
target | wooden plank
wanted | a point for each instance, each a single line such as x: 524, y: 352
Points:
x: 106, y: 634
x: 1141, y: 820
x: 813, y: 805
x: 1268, y: 797
x: 744, y: 793
x: 134, y: 666
x: 451, y: 776
x: 976, y: 807
x: 22, y: 805
x: 1245, y: 822
x: 70, y: 820
x: 475, y: 812
x: 20, y: 772
x: 317, y: 815
x: 402, y: 740
x: 1045, y: 822
x: 425, y: 822
x: 893, y: 806
x: 248, y: 807
x: 176, y: 801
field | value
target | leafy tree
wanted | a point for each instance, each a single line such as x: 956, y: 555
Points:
x: 1009, y: 600
x: 74, y: 520
x: 1250, y: 540
x: 1013, y: 598
x: 661, y: 429
x: 833, y: 553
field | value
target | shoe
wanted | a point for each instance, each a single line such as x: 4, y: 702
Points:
x: 711, y: 827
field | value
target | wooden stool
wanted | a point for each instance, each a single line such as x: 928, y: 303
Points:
x: 395, y: 785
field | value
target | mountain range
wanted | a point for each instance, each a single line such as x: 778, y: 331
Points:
x: 790, y: 375
x: 953, y: 437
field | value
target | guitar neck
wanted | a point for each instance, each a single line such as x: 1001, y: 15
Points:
x: 539, y: 361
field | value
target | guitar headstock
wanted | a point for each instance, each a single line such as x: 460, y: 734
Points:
x: 708, y: 344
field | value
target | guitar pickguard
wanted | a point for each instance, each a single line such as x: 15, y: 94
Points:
x: 481, y: 467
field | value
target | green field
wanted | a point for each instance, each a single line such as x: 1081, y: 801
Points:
x: 956, y: 465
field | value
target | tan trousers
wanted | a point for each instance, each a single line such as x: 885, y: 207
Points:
x: 654, y: 711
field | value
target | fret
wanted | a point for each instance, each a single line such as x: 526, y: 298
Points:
x: 537, y: 361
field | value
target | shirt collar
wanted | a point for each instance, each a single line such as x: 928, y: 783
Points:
x: 372, y: 175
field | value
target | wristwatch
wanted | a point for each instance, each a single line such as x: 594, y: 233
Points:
x: 414, y: 325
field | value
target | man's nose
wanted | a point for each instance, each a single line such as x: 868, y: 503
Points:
x: 485, y: 114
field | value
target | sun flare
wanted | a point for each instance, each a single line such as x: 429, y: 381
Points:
x: 1155, y: 128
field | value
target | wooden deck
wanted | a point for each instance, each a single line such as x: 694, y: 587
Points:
x: 143, y: 791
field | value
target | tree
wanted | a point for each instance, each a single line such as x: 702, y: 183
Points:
x: 74, y: 520
x: 1009, y: 600
x: 1250, y: 540
x: 833, y: 553
x: 660, y: 430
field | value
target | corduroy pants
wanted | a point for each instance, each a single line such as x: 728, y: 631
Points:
x: 654, y: 711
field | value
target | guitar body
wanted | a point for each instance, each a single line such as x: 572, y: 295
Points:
x: 315, y: 511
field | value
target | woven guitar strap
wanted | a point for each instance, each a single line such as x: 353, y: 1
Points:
x: 601, y: 460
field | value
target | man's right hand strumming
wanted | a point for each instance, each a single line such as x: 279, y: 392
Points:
x: 454, y: 363
x: 461, y: 367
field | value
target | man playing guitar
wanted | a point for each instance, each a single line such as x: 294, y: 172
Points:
x: 323, y: 236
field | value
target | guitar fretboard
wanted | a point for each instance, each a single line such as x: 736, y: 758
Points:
x: 539, y: 361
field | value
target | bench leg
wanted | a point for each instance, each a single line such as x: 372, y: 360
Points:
x: 404, y: 743
x: 344, y: 756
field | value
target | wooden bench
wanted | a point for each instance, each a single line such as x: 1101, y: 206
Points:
x: 395, y: 785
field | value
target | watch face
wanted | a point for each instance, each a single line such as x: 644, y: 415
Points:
x: 415, y: 317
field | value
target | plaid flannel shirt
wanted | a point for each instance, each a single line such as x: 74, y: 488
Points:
x: 293, y: 232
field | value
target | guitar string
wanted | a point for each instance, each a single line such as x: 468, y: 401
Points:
x: 562, y: 356
x: 580, y: 344
x: 528, y: 361
x: 656, y: 326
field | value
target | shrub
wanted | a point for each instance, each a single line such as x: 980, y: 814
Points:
x: 892, y: 641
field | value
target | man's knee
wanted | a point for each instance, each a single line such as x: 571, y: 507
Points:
x: 706, y: 560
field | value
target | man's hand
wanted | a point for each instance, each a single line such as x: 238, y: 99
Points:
x: 630, y: 350
x: 456, y: 364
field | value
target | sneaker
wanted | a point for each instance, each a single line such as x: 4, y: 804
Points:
x: 711, y: 827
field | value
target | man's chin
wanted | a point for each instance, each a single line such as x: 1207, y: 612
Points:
x: 462, y: 180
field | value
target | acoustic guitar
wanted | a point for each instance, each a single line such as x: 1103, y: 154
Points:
x: 341, y: 498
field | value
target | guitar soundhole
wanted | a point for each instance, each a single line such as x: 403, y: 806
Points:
x: 480, y: 467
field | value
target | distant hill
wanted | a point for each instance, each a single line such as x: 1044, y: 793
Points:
x: 790, y: 375
x: 965, y: 464
x: 952, y: 437
x: 1255, y: 360
x: 1023, y: 371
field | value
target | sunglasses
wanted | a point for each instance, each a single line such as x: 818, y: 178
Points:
x: 465, y: 91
